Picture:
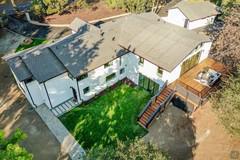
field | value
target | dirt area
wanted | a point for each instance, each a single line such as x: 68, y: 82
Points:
x: 15, y: 112
x: 213, y: 141
x: 200, y: 137
x: 86, y: 14
x: 174, y: 133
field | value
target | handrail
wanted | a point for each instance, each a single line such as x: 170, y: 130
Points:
x: 152, y: 99
x: 160, y: 106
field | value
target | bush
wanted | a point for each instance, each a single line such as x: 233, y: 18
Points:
x: 10, y: 149
x: 135, y: 6
x: 128, y: 150
x: 226, y: 102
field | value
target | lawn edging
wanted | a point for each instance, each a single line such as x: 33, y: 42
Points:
x: 68, y: 143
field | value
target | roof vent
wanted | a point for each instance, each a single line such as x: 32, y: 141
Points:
x: 113, y: 38
x: 158, y: 19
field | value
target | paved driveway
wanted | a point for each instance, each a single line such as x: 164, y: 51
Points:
x: 173, y: 132
x: 9, y: 41
x: 15, y: 112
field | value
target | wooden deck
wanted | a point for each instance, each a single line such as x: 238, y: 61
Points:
x: 188, y: 82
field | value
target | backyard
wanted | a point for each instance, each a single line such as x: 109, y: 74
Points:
x: 108, y: 117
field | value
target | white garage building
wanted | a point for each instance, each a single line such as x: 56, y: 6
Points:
x: 192, y: 15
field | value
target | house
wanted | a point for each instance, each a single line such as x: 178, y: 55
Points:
x: 140, y: 47
x: 192, y: 15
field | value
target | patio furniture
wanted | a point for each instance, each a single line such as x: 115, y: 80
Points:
x: 207, y: 77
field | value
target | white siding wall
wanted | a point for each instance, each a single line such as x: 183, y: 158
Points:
x: 175, y: 74
x: 35, y: 91
x: 175, y: 16
x: 96, y: 80
x: 147, y: 69
x: 59, y: 89
x: 201, y: 22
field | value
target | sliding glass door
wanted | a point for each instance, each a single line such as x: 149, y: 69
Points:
x: 148, y: 84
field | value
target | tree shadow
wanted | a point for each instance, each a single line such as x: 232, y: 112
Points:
x: 109, y: 117
x: 174, y: 132
x: 16, y: 112
x: 18, y: 24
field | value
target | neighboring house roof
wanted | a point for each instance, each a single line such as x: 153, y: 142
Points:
x: 196, y: 10
x: 163, y: 44
x: 19, y: 68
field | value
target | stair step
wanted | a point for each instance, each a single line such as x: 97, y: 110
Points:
x: 62, y: 109
x: 144, y: 116
x: 143, y: 121
x: 65, y: 107
x: 54, y: 112
x: 58, y: 110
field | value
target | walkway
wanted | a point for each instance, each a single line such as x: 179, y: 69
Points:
x: 69, y: 146
x: 64, y: 107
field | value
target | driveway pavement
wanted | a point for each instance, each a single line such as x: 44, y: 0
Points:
x: 16, y: 112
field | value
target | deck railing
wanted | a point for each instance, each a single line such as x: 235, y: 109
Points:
x: 153, y: 99
x: 159, y: 109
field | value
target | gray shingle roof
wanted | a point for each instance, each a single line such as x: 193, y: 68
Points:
x: 196, y: 10
x: 83, y: 53
x: 163, y: 44
x: 77, y: 24
x: 43, y: 64
x: 19, y: 68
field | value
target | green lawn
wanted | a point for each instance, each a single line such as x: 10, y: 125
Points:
x: 35, y: 42
x: 109, y: 117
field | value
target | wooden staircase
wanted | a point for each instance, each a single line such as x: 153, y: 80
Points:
x: 155, y: 106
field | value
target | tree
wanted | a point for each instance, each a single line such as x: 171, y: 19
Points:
x: 129, y: 150
x: 226, y: 102
x: 10, y: 149
x: 226, y: 47
x: 135, y: 6
x: 48, y: 7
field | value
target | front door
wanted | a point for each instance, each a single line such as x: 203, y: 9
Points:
x: 148, y: 84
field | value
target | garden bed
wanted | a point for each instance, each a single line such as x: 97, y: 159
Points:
x: 35, y: 42
x: 109, y: 117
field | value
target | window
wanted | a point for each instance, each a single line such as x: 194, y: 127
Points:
x: 83, y: 76
x: 108, y: 64
x: 141, y: 61
x: 86, y: 90
x: 160, y: 72
x: 110, y: 77
x: 122, y: 70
